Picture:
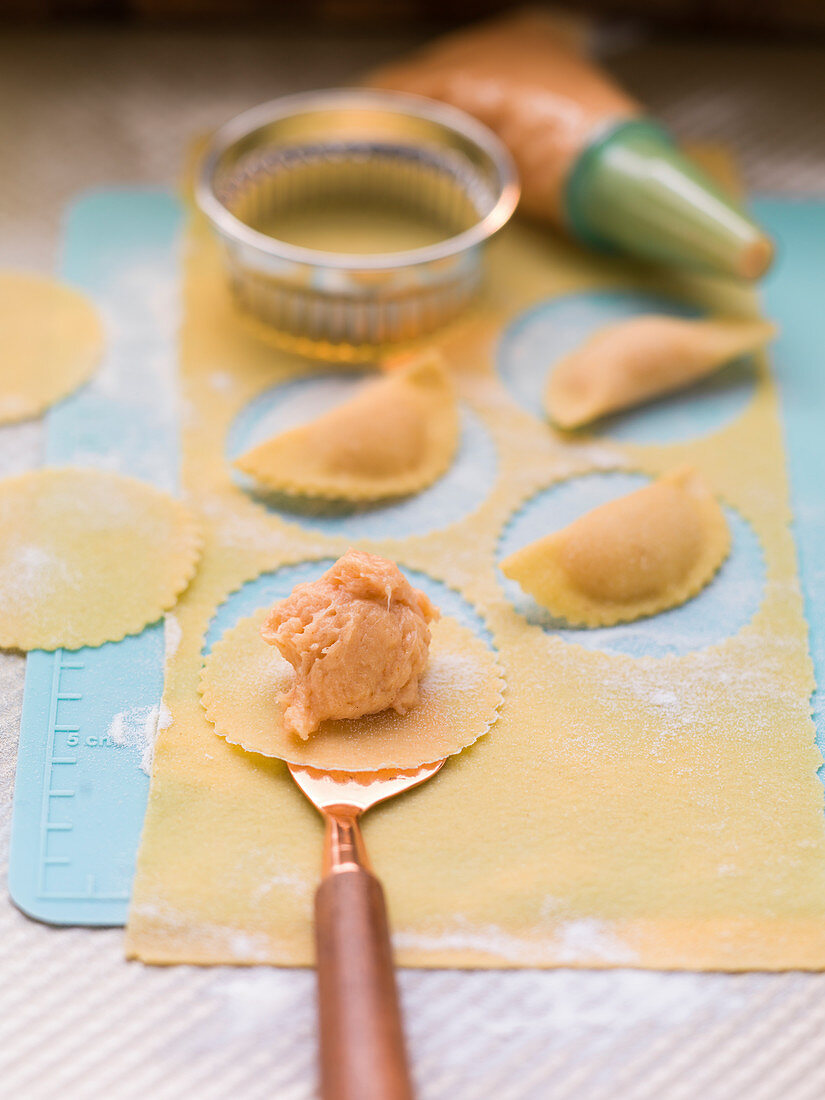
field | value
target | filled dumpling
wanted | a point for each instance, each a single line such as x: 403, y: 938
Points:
x: 639, y: 554
x: 633, y: 361
x: 396, y: 436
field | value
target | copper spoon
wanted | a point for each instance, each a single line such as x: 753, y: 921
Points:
x: 362, y: 1037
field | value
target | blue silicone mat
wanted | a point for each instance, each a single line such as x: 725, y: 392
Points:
x: 81, y: 789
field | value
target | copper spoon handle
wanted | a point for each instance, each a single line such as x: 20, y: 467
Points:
x: 362, y: 1037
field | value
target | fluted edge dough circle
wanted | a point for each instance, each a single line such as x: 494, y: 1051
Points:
x: 52, y: 342
x: 461, y: 692
x: 88, y: 556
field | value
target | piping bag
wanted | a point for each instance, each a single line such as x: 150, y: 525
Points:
x: 591, y: 162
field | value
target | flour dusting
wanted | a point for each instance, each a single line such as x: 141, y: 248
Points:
x: 163, y: 723
x: 224, y: 941
x: 31, y: 568
x: 285, y: 880
x: 138, y: 374
x: 172, y: 636
x: 461, y: 672
x: 137, y: 728
x: 578, y: 941
x: 591, y: 940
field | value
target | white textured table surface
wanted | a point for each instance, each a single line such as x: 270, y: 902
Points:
x: 84, y: 109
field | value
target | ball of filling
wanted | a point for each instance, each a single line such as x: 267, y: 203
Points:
x: 358, y: 639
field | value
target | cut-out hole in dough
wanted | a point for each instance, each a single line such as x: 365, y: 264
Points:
x: 461, y: 691
x: 51, y: 341
x: 634, y: 556
x: 88, y: 556
x: 633, y: 361
x: 395, y: 437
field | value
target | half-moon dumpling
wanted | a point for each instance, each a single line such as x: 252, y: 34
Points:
x: 636, y: 555
x: 396, y: 436
x: 633, y: 361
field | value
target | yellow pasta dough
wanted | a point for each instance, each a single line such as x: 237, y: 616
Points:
x: 634, y: 556
x: 625, y: 811
x: 51, y: 340
x: 396, y: 436
x: 88, y: 556
x: 460, y: 693
x: 633, y: 361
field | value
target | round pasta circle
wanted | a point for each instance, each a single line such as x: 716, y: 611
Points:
x: 88, y: 556
x: 461, y: 692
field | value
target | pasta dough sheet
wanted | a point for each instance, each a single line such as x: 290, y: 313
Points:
x: 624, y: 810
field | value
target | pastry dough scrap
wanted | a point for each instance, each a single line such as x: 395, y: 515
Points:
x: 631, y: 362
x: 460, y: 693
x: 395, y: 437
x: 642, y: 553
x: 51, y: 341
x: 88, y: 556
